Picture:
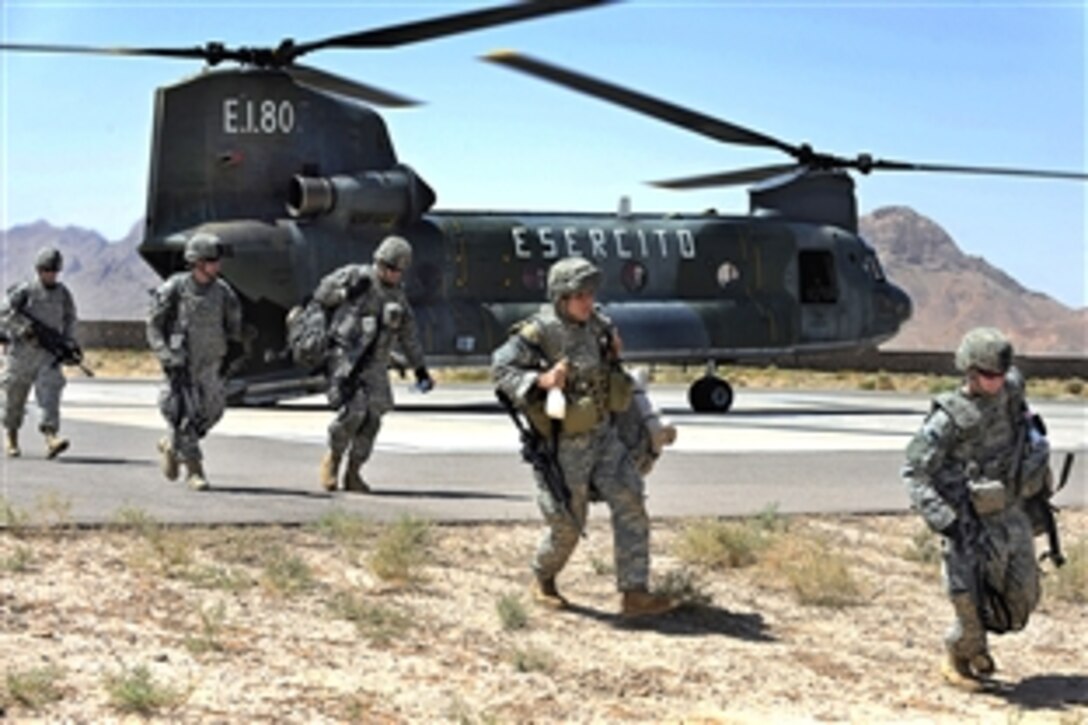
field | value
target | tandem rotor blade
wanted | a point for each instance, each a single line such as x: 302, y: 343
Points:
x: 806, y: 158
x: 887, y: 165
x: 284, y: 54
x: 414, y: 32
x: 347, y: 87
x: 729, y: 178
x: 197, y: 52
x: 662, y: 110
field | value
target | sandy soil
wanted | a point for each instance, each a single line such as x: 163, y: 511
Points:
x: 293, y: 625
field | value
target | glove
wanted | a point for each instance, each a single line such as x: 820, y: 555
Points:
x: 171, y: 362
x: 424, y: 381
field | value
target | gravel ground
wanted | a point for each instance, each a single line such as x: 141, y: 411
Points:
x: 296, y: 625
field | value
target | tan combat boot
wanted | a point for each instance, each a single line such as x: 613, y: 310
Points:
x: 168, y: 462
x: 196, y: 479
x: 11, y: 443
x: 546, y: 594
x: 956, y: 671
x: 353, y: 479
x: 326, y: 473
x: 54, y: 444
x: 641, y: 603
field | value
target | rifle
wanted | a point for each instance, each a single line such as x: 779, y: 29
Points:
x: 1040, y: 509
x: 185, y: 414
x: 972, y: 543
x: 543, y: 458
x: 348, y: 385
x: 65, y: 350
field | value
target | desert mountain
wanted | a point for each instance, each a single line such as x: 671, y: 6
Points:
x: 951, y: 291
x: 109, y: 280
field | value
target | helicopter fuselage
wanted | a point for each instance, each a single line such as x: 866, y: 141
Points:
x: 296, y: 182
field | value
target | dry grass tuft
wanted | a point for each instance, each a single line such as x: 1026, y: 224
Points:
x: 815, y: 572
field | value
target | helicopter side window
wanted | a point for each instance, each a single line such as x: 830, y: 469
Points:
x: 634, y: 276
x: 817, y: 277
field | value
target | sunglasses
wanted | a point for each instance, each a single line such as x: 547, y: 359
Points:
x: 989, y: 374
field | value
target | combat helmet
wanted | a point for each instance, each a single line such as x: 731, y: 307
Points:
x: 571, y: 275
x: 49, y: 259
x: 202, y: 246
x: 986, y: 349
x: 394, y: 252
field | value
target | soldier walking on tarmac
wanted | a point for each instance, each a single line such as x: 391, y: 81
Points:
x: 978, y: 457
x: 29, y: 363
x: 369, y: 313
x: 569, y: 348
x: 195, y: 319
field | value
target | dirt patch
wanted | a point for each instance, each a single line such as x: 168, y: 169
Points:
x: 242, y: 624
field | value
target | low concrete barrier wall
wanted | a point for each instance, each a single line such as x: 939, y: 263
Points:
x: 130, y: 335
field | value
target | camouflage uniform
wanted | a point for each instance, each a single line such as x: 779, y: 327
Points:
x: 969, y: 440
x: 594, y: 460
x: 368, y: 318
x: 190, y: 325
x: 30, y: 365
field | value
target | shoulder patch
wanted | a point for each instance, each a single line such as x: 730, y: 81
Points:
x: 962, y: 412
x: 530, y: 330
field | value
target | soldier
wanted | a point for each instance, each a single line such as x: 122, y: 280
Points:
x: 369, y: 313
x: 29, y: 363
x: 570, y: 347
x: 969, y: 470
x: 195, y: 319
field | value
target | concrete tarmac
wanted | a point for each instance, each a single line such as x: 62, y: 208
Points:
x: 453, y: 456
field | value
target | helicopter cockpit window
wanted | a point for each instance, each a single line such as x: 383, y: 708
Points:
x: 634, y: 276
x: 872, y: 267
x: 817, y: 277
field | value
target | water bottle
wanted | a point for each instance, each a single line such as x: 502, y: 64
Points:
x: 556, y: 404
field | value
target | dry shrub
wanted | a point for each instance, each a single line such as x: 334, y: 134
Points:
x: 721, y: 544
x: 816, y: 574
x: 401, y: 551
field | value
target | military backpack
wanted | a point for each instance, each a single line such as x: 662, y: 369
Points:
x: 308, y: 334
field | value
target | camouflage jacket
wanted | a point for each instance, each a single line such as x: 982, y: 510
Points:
x: 193, y: 323
x: 592, y: 390
x: 54, y: 306
x: 968, y: 437
x: 368, y: 312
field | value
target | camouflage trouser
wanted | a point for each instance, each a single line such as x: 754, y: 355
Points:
x: 211, y: 400
x: 355, y: 428
x: 31, y: 366
x: 1009, y: 568
x: 600, y: 459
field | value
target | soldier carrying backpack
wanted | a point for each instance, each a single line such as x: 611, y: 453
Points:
x: 357, y: 314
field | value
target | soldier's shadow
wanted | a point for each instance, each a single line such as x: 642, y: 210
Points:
x: 690, y: 620
x: 1050, y: 692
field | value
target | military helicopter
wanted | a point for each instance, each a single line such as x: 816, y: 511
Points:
x: 297, y: 175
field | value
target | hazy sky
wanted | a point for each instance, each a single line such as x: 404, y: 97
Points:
x: 976, y: 83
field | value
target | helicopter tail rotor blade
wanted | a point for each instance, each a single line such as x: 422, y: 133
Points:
x: 346, y: 87
x: 415, y: 32
x: 662, y: 110
x: 729, y: 178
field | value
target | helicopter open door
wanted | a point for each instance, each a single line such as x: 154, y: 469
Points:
x: 818, y: 291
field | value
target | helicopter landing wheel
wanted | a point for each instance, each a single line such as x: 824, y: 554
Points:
x: 710, y: 394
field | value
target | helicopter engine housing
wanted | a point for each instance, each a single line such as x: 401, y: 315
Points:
x: 393, y: 195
